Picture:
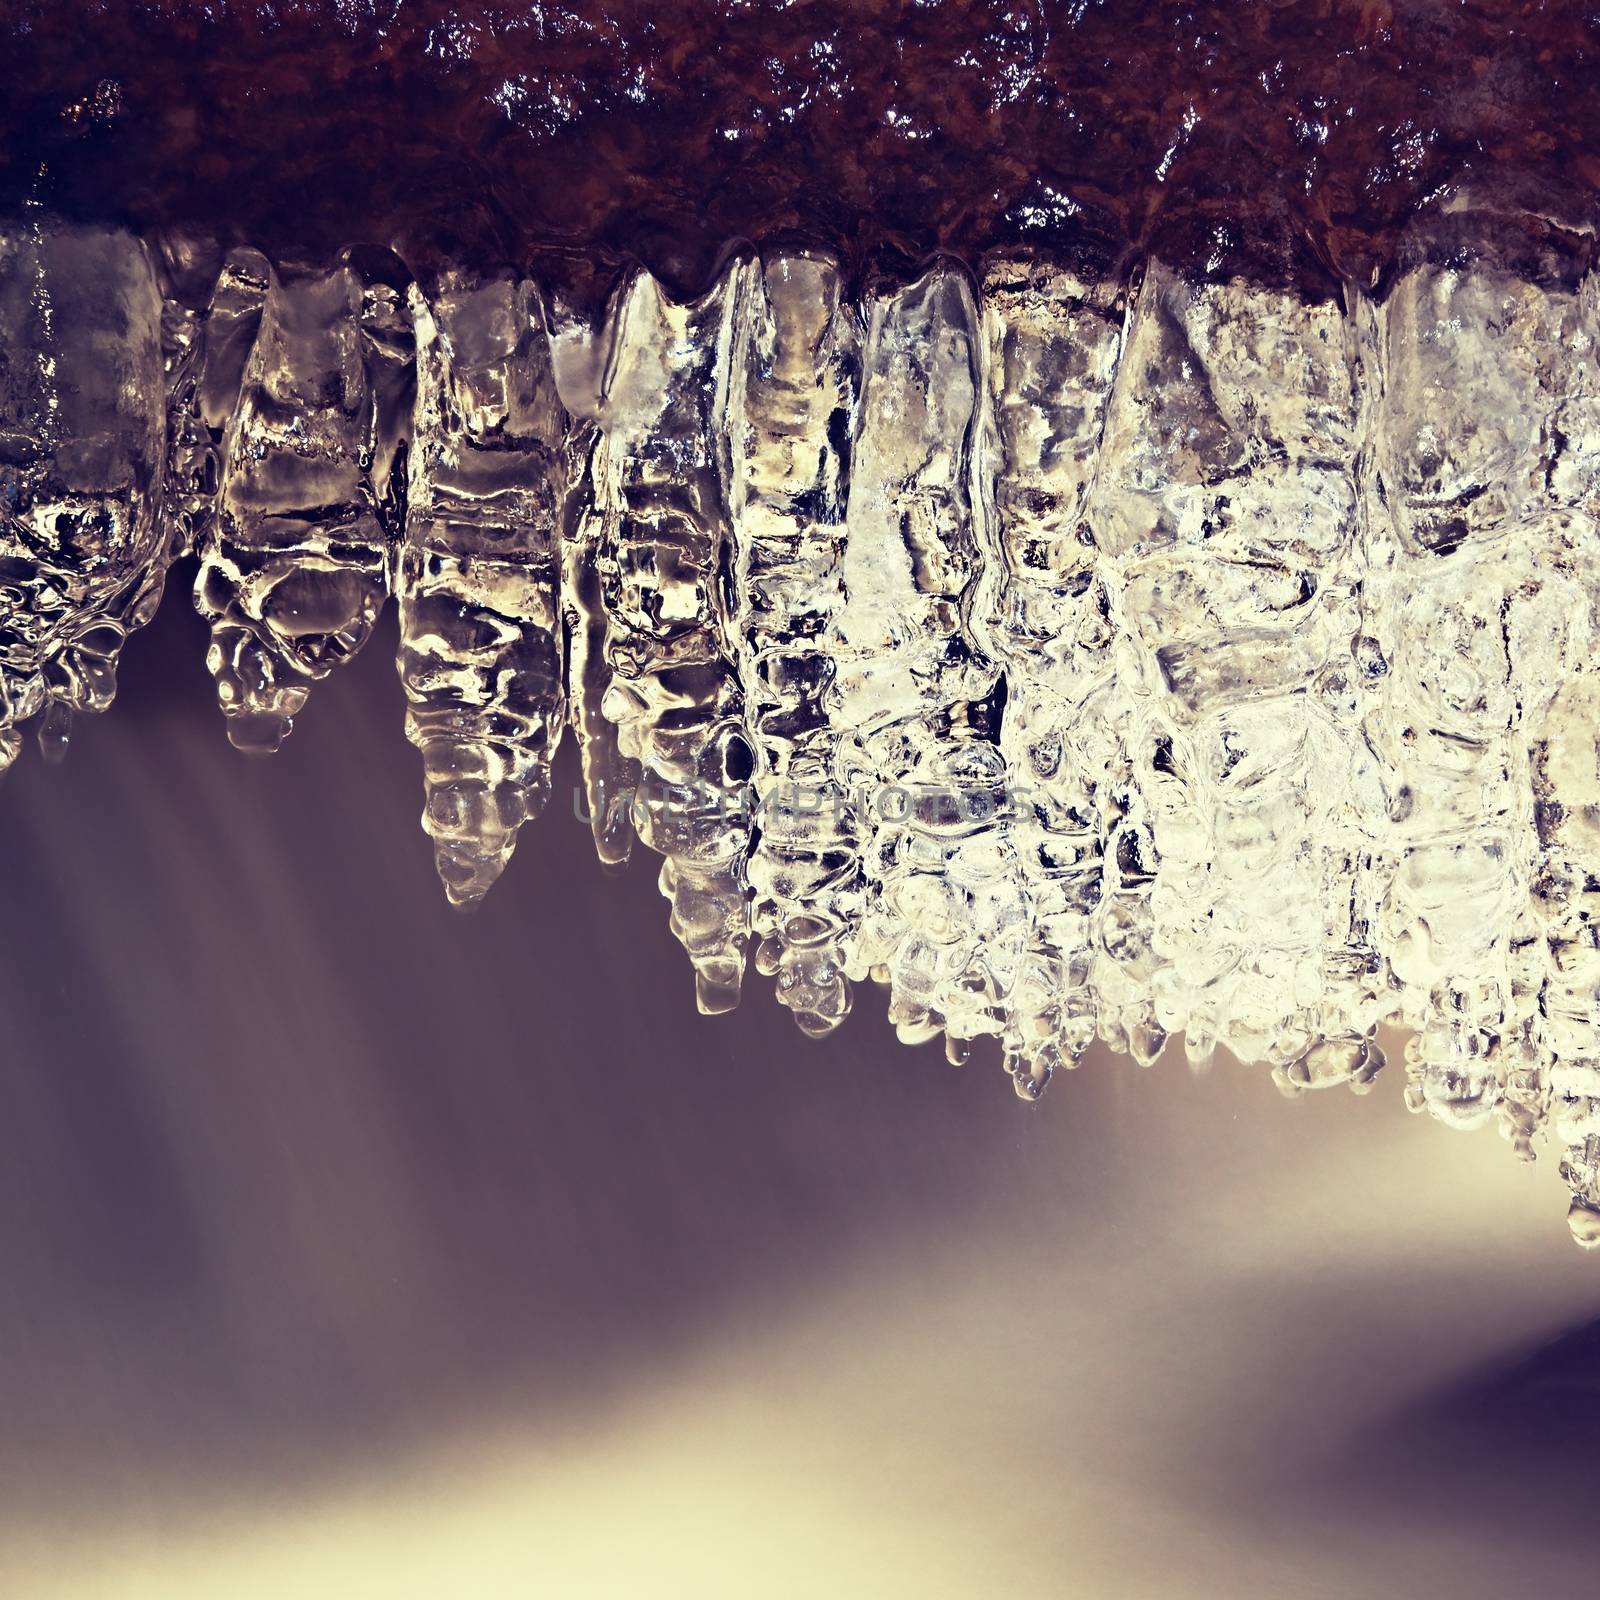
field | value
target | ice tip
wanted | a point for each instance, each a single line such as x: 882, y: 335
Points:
x: 817, y: 1024
x: 55, y: 733
x: 1583, y: 1218
x: 1030, y: 1079
x: 258, y: 733
x: 466, y: 872
x: 716, y: 994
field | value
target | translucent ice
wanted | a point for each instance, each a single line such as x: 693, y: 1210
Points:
x: 794, y: 393
x: 579, y: 351
x: 1225, y: 514
x: 296, y: 567
x: 1479, y: 630
x: 658, y: 487
x: 1041, y: 609
x: 911, y: 698
x: 480, y: 635
x: 82, y: 445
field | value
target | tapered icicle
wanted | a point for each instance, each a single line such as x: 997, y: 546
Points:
x: 480, y: 635
x: 1484, y: 588
x: 610, y: 778
x: 188, y: 269
x: 82, y: 413
x: 913, y: 701
x: 296, y: 569
x: 582, y: 347
x: 1041, y: 609
x: 1240, y: 885
x: 793, y: 397
x: 1552, y: 1074
x: 674, y: 694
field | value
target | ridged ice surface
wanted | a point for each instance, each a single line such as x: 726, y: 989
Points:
x: 657, y: 487
x: 794, y: 394
x: 1073, y: 658
x: 477, y: 579
x: 83, y: 553
x: 295, y: 566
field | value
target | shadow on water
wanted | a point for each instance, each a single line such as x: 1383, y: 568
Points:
x: 1512, y: 1437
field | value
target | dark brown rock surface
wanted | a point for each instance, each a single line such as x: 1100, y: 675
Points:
x: 1280, y: 138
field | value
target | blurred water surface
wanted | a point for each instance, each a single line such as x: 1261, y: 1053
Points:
x: 352, y: 1246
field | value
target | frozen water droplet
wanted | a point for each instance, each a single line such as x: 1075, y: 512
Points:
x: 466, y: 871
x: 1146, y: 1042
x: 1354, y: 1063
x: 1583, y: 1218
x: 716, y: 989
x: 1030, y: 1079
x: 55, y: 732
x: 258, y: 733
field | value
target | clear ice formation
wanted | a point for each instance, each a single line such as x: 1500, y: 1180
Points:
x: 1074, y: 658
x: 657, y: 490
x: 296, y: 563
x: 83, y: 547
x: 477, y: 580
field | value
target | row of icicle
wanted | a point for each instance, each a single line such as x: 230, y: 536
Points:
x: 1071, y: 657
